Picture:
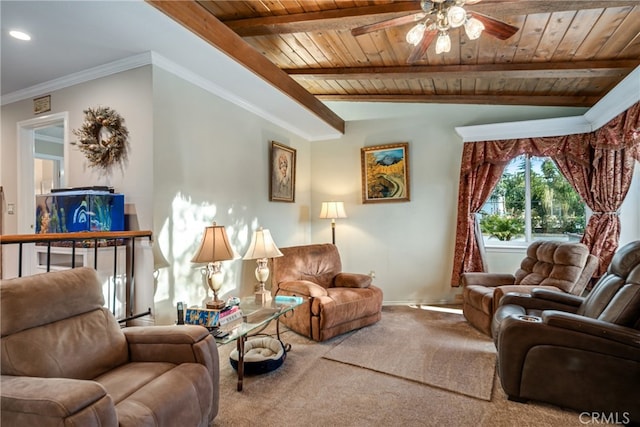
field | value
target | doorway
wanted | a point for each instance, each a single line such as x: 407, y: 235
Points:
x: 42, y: 161
x: 49, y: 158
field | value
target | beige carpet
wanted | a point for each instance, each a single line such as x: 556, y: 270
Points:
x: 436, y: 348
x: 311, y: 391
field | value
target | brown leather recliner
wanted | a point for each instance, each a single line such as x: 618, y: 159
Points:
x: 559, y: 266
x: 66, y: 361
x: 336, y: 302
x: 580, y: 353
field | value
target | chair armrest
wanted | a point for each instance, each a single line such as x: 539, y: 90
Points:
x: 487, y: 279
x: 557, y: 296
x: 595, y: 327
x: 352, y: 280
x: 303, y: 288
x: 174, y: 344
x: 529, y: 302
x: 501, y: 291
x: 79, y: 402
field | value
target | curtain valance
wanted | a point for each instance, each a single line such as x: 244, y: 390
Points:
x: 598, y: 164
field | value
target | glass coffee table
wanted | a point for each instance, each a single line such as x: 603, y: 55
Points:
x: 255, y: 318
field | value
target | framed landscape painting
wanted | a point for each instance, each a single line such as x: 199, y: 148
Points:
x: 385, y: 173
x: 282, y: 170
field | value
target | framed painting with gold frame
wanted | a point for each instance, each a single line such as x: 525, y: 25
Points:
x: 385, y: 173
x: 282, y: 173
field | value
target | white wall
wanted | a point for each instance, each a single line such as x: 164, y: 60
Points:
x: 408, y: 245
x: 211, y: 163
x: 194, y: 158
x: 128, y: 93
x: 630, y: 211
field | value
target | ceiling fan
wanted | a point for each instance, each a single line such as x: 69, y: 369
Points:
x: 436, y: 19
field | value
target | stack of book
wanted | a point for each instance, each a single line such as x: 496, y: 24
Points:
x: 212, y: 318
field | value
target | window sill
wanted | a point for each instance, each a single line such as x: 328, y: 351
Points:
x: 507, y: 248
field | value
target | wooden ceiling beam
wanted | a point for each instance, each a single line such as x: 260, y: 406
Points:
x: 202, y: 23
x: 348, y: 18
x: 536, y: 70
x: 548, y: 101
x: 334, y: 19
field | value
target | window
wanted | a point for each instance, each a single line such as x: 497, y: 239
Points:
x: 532, y: 201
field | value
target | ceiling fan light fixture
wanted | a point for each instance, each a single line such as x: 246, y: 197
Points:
x: 443, y: 43
x: 473, y: 27
x: 456, y: 16
x: 416, y: 33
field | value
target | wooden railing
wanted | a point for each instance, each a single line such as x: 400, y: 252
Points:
x: 95, y: 240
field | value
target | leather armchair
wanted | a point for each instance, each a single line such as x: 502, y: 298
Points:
x: 336, y: 302
x: 575, y: 352
x: 558, y: 266
x: 66, y: 360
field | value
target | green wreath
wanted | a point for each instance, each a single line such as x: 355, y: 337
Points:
x: 103, y: 138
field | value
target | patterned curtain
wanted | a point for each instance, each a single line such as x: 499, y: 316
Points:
x: 599, y: 165
x: 476, y: 184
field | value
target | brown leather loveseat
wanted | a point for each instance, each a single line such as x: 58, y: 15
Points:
x: 336, y: 302
x: 574, y: 352
x: 66, y: 361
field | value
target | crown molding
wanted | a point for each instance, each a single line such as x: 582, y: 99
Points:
x: 206, y: 84
x: 84, y: 76
x: 153, y: 58
x: 525, y: 129
x: 619, y: 99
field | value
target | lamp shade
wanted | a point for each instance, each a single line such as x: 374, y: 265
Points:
x: 159, y: 261
x: 262, y: 246
x: 332, y: 210
x: 443, y: 43
x: 214, y: 246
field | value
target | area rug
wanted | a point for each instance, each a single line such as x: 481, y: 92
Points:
x: 446, y: 352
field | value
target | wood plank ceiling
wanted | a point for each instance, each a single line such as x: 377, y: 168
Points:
x: 566, y: 53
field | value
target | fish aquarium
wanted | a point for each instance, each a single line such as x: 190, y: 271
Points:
x: 79, y: 210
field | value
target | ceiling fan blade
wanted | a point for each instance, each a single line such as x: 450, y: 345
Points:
x: 495, y: 28
x: 419, y: 51
x: 388, y: 23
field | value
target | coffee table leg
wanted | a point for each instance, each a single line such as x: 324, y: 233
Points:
x: 286, y: 347
x: 240, y: 346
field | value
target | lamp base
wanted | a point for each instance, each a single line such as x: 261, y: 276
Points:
x: 263, y: 296
x: 215, y: 305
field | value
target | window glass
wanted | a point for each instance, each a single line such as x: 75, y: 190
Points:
x: 532, y: 201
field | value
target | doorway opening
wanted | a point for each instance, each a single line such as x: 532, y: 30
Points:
x: 42, y: 162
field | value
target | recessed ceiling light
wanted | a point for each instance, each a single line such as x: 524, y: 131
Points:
x: 19, y: 35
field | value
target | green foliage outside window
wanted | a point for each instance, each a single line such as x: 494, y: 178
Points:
x: 556, y: 208
x: 502, y: 227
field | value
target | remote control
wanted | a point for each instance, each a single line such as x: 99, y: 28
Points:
x: 219, y: 334
x: 180, y: 313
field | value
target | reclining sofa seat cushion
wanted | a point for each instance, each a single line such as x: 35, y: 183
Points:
x: 63, y: 351
x: 562, y: 266
x: 338, y: 302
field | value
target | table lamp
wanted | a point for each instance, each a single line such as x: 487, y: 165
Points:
x: 214, y: 247
x: 332, y: 210
x: 159, y: 262
x: 261, y: 248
